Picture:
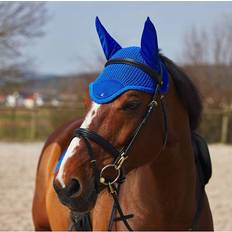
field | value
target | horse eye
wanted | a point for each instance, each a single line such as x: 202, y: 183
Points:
x: 132, y: 105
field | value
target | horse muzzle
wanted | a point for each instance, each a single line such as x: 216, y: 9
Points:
x: 75, y: 197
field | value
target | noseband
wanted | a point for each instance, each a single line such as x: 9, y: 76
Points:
x: 121, y: 155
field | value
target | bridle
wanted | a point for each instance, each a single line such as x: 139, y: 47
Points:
x: 121, y: 155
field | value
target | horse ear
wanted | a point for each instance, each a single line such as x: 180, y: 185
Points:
x: 109, y: 45
x: 149, y: 45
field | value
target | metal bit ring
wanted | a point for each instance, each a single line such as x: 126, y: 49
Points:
x: 103, y: 179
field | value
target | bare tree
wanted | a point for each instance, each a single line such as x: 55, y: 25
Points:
x: 195, y: 47
x: 209, y: 58
x: 19, y: 23
x: 222, y: 41
x: 213, y: 46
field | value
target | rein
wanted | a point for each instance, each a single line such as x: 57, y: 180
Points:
x: 113, y: 184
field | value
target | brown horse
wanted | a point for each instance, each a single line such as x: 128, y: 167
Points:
x: 162, y: 182
x: 160, y: 188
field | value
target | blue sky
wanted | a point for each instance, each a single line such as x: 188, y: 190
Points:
x: 71, y: 43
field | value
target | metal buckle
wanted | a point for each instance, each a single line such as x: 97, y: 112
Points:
x: 152, y: 103
x: 111, y: 188
x: 120, y: 161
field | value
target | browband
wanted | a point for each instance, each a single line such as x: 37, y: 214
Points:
x: 152, y: 73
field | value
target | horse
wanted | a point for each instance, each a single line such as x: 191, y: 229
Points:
x: 130, y: 163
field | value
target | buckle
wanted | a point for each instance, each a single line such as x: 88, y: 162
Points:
x: 153, y: 103
x: 121, y: 160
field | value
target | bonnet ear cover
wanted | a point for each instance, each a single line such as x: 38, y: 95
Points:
x: 109, y: 45
x: 149, y: 46
x: 116, y: 79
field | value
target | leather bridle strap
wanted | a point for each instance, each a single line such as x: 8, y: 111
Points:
x: 152, y: 73
x: 165, y: 122
x: 93, y: 163
x: 93, y: 136
x: 153, y: 103
x: 119, y: 209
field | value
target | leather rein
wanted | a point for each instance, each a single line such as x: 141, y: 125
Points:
x: 113, y: 183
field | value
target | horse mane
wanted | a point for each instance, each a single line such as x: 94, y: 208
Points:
x: 186, y: 91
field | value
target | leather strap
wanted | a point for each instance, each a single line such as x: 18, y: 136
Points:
x: 93, y: 163
x: 151, y: 107
x: 79, y: 222
x: 119, y: 209
x: 93, y: 136
x: 152, y: 73
x: 165, y: 122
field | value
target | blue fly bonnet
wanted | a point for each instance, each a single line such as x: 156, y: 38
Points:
x: 118, y: 78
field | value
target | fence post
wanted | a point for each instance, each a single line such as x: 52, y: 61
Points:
x: 33, y: 124
x: 225, y: 125
x: 13, y: 122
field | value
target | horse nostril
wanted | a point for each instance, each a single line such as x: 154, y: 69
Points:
x: 56, y: 186
x: 74, y: 187
x: 71, y: 190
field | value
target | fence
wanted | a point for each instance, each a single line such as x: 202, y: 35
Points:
x: 216, y: 125
x: 20, y: 124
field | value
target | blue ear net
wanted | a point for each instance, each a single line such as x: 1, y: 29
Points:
x: 109, y: 45
x: 149, y: 45
x: 115, y: 79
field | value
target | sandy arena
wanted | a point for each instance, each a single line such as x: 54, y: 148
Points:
x: 17, y: 173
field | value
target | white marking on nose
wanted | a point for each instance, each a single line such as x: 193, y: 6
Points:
x: 70, y: 151
x: 76, y: 142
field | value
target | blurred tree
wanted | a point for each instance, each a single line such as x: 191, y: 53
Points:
x: 195, y: 47
x: 221, y: 41
x: 207, y: 58
x: 201, y: 46
x: 19, y: 23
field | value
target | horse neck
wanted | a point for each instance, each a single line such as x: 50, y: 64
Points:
x: 162, y: 193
